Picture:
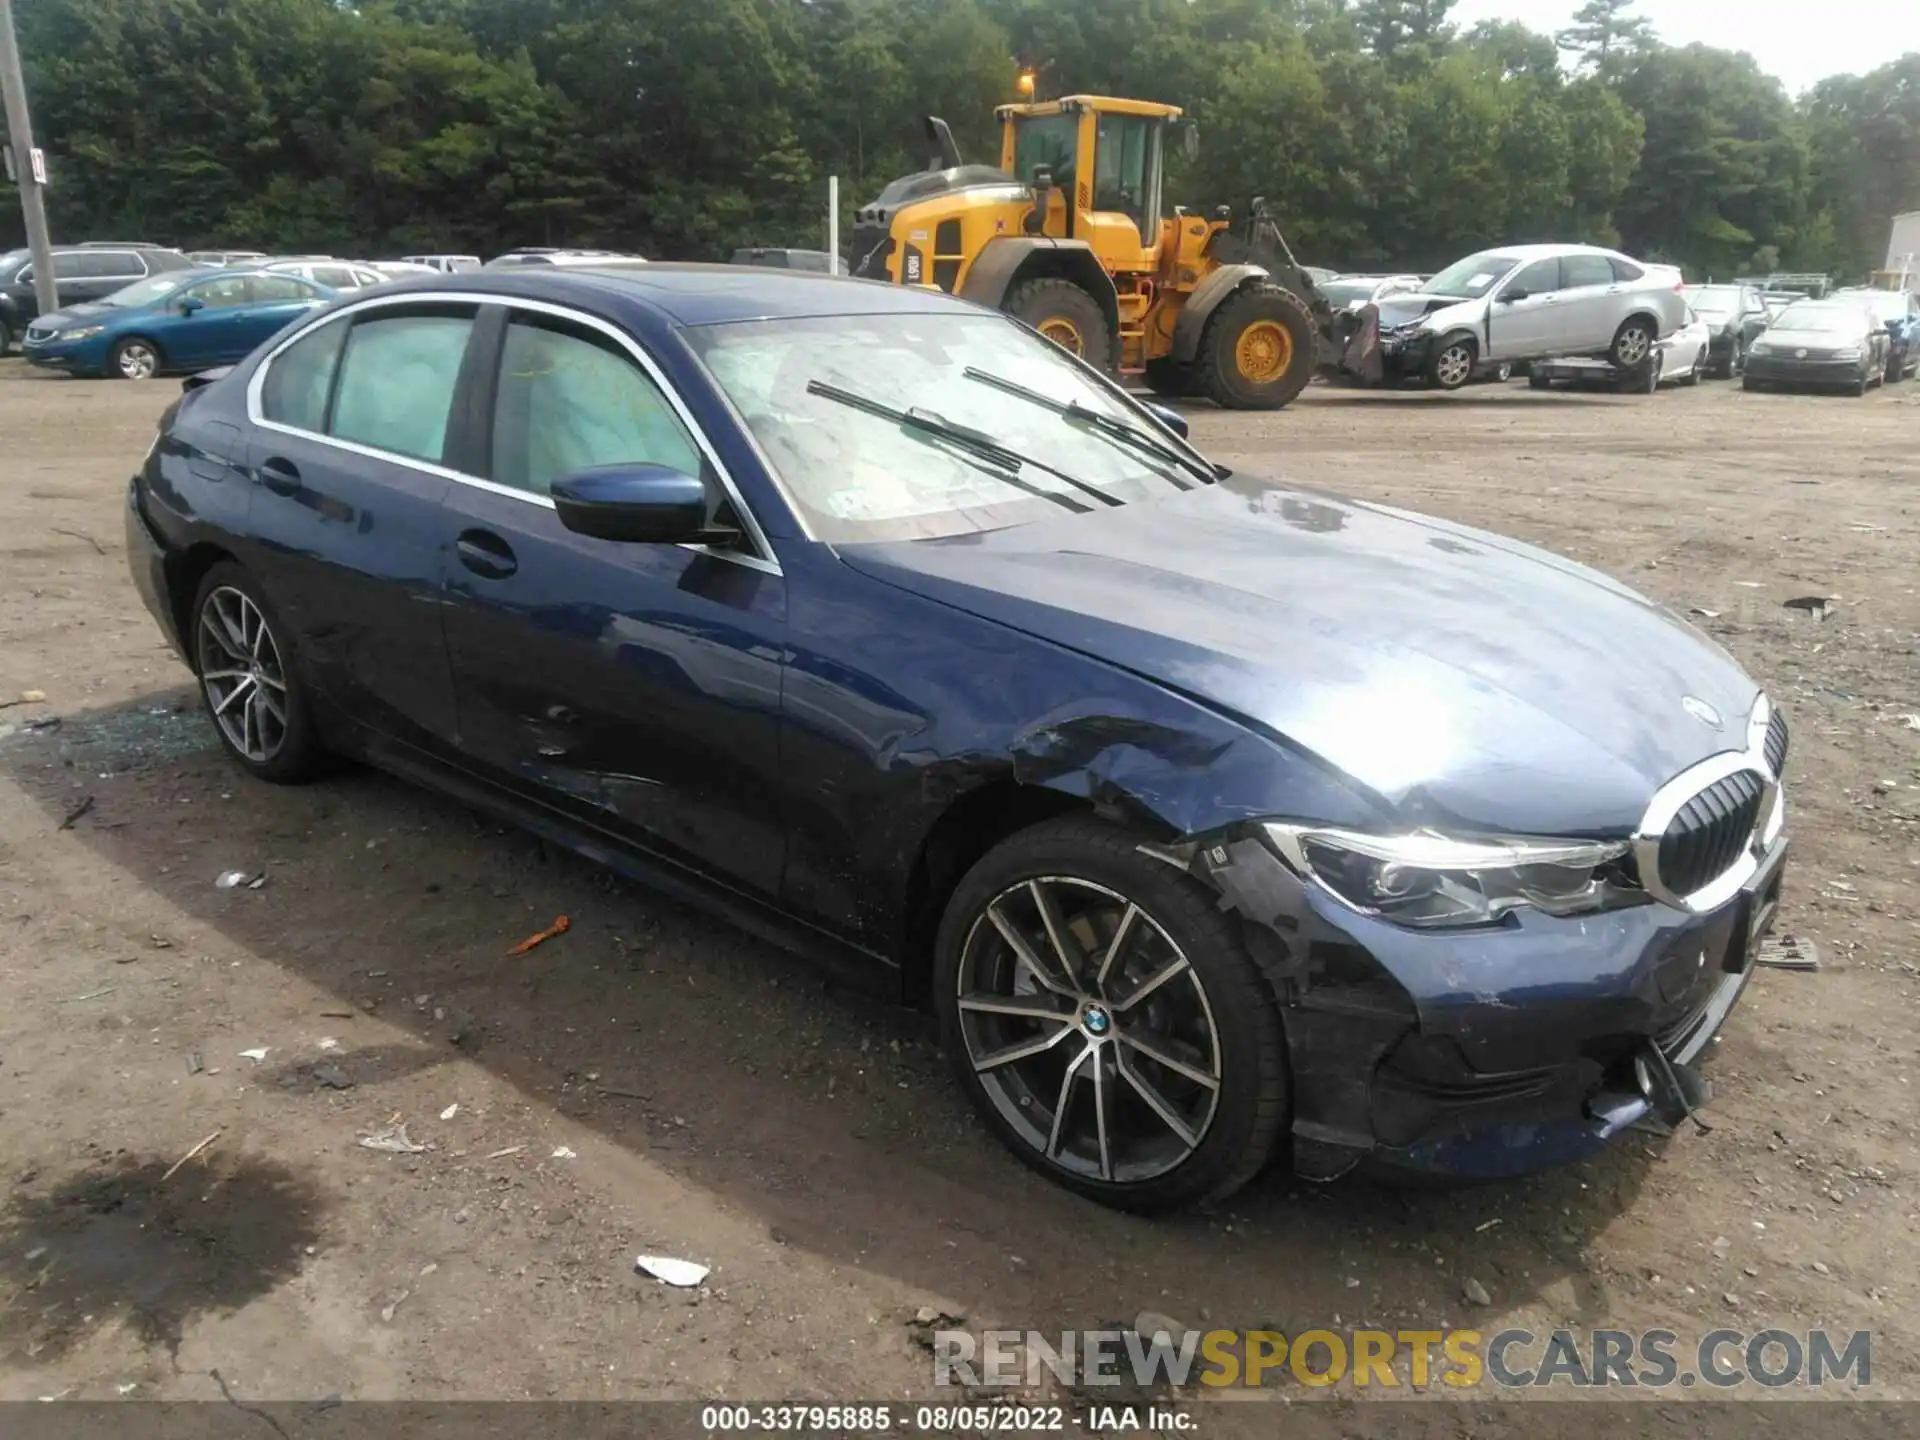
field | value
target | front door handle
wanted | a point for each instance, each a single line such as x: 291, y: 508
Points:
x: 485, y: 554
x: 280, y: 476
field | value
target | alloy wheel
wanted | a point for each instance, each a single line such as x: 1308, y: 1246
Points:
x: 137, y: 361
x: 242, y: 674
x: 1455, y: 366
x: 1088, y: 1029
x: 1632, y: 346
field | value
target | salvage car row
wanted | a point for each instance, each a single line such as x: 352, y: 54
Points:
x: 1623, y: 320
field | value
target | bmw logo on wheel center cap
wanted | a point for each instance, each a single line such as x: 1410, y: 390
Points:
x: 1095, y: 1020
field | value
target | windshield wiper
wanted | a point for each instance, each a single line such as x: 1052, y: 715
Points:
x: 976, y: 442
x: 1108, y: 425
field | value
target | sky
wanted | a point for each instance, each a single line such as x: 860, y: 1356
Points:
x: 1800, y: 43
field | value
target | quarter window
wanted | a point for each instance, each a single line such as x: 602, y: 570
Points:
x: 1625, y: 272
x: 300, y: 379
x: 397, y: 379
x: 569, y: 399
x: 1577, y: 271
x: 338, y: 276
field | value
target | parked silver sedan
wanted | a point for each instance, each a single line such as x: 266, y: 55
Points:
x: 1530, y: 302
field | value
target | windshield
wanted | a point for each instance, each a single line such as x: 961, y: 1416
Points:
x: 1048, y: 140
x: 1715, y: 300
x: 1472, y: 277
x: 11, y: 262
x: 145, y: 292
x: 1341, y: 293
x: 1822, y: 319
x: 854, y: 475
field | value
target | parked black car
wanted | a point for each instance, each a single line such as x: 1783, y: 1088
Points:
x: 80, y: 273
x: 1215, y: 819
x: 1737, y: 315
x: 1832, y: 343
x: 787, y: 258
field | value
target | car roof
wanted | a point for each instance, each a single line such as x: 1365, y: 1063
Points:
x: 689, y: 294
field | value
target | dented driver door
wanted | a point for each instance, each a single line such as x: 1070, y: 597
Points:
x: 636, y: 686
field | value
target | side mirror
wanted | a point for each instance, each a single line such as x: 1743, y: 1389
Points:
x: 1507, y: 297
x: 1167, y: 416
x: 641, y: 504
x: 1190, y: 141
x: 188, y: 304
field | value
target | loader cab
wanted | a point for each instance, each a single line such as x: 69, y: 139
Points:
x: 1098, y: 167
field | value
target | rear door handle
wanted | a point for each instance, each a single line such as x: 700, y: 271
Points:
x: 280, y: 476
x: 485, y: 554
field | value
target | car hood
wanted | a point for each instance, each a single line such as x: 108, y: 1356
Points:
x: 1465, y: 680
x: 82, y: 314
x: 1818, y: 339
x: 1437, y: 311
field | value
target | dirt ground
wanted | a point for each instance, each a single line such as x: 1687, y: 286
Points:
x: 654, y: 1082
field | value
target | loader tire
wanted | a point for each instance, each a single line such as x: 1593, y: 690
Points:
x: 1065, y: 314
x: 1258, y: 350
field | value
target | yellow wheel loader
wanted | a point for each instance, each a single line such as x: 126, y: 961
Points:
x: 1069, y: 234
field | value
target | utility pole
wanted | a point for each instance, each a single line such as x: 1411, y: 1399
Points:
x: 28, y: 166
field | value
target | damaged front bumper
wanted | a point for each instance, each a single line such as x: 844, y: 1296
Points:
x: 1492, y: 1052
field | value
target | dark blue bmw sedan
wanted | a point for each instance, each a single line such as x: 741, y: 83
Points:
x: 1216, y: 820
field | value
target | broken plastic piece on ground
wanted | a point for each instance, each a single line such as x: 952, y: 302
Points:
x: 451, y: 1111
x: 234, y: 879
x: 392, y: 1141
x: 684, y: 1273
x: 256, y: 1055
x: 1787, y: 952
x: 1818, y: 606
x: 561, y: 924
x: 564, y: 1152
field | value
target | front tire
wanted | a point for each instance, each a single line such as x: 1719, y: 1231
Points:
x: 1632, y: 344
x: 1169, y: 379
x: 251, y: 681
x: 1258, y: 350
x: 1452, y: 365
x: 1104, y: 1016
x: 134, y: 358
x: 1065, y: 314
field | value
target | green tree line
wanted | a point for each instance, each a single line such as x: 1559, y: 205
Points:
x: 1382, y: 133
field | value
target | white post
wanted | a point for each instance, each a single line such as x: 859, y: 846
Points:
x: 833, y: 223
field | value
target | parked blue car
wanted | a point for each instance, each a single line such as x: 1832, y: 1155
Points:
x: 180, y: 320
x: 1214, y: 819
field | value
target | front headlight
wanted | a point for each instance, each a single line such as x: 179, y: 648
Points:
x: 1850, y: 352
x: 1431, y: 881
x: 84, y: 332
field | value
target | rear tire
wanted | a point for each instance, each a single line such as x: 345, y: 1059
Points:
x: 1693, y: 375
x: 1632, y: 344
x: 1537, y: 381
x: 1747, y: 382
x: 1065, y: 314
x: 1036, y: 1053
x: 6, y: 339
x: 251, y: 680
x: 1258, y: 351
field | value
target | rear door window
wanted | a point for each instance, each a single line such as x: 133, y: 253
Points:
x: 278, y: 289
x: 300, y: 379
x: 1579, y: 271
x: 223, y: 293
x: 397, y: 380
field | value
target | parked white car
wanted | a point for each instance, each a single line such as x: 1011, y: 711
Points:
x: 1530, y: 302
x: 1682, y: 357
x: 334, y: 274
x: 446, y: 264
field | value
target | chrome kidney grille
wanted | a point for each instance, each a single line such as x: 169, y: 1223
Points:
x: 1705, y: 832
x: 1711, y: 830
